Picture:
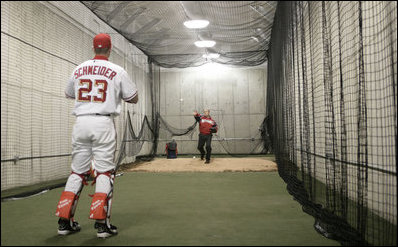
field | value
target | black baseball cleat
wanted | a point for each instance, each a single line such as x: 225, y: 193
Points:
x: 202, y: 157
x: 104, y: 231
x: 207, y: 162
x: 66, y: 227
x: 113, y: 228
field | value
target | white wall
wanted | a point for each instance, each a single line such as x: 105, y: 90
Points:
x: 235, y: 97
x: 41, y: 43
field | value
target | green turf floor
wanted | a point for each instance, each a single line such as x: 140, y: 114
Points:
x: 185, y: 209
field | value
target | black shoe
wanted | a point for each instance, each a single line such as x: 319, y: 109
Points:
x: 104, y: 231
x: 207, y: 162
x: 202, y: 157
x: 113, y: 228
x: 65, y: 227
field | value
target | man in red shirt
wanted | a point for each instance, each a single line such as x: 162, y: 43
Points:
x: 207, y: 126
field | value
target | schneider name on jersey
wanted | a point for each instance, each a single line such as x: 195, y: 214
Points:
x: 96, y: 85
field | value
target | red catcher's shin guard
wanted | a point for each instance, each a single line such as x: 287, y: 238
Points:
x: 64, y: 208
x: 98, y: 209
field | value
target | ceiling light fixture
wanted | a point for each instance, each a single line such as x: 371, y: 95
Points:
x: 196, y: 23
x: 254, y: 38
x: 205, y: 43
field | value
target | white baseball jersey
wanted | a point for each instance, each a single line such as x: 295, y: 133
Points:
x: 98, y: 86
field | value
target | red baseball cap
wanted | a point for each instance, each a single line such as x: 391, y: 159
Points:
x: 102, y: 40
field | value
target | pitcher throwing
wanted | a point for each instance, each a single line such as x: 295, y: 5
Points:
x: 207, y: 126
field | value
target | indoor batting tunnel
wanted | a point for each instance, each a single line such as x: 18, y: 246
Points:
x: 313, y: 85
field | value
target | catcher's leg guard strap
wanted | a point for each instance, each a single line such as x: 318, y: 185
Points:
x: 64, y: 208
x: 98, y: 209
x: 75, y: 182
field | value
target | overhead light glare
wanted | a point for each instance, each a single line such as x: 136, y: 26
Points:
x: 254, y: 38
x: 196, y: 23
x: 205, y: 43
x: 211, y: 55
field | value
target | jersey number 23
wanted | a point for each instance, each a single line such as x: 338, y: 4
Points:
x: 100, y: 86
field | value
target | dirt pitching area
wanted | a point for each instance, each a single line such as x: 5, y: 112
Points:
x: 256, y: 164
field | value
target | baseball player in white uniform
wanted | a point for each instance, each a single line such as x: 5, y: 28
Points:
x: 97, y: 86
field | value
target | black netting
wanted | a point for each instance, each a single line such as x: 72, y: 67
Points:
x: 331, y: 105
x: 172, y: 131
x: 241, y: 29
x: 133, y: 144
x: 258, y: 144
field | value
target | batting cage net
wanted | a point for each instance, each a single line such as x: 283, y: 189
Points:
x: 145, y: 146
x: 156, y: 27
x: 36, y: 62
x: 331, y: 103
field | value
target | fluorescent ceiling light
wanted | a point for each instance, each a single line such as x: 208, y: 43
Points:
x: 255, y: 38
x: 205, y: 43
x: 196, y: 23
x: 211, y: 55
